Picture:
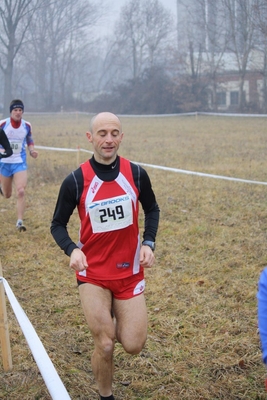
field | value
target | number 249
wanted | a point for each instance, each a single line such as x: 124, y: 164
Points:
x: 107, y: 213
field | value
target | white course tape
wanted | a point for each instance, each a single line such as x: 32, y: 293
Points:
x: 62, y: 149
x: 53, y: 382
x: 181, y: 171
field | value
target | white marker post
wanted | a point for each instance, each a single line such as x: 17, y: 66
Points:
x: 4, y: 332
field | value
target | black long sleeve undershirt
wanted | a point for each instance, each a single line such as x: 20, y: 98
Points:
x: 71, y: 191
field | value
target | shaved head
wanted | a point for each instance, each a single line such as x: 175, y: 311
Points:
x: 104, y: 117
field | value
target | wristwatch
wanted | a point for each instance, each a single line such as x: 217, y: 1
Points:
x: 149, y: 243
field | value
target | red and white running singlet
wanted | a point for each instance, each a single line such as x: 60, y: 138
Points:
x: 109, y: 232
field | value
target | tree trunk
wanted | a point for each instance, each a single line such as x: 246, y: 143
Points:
x: 8, y: 73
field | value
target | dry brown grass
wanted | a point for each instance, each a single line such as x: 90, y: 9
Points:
x: 203, y: 341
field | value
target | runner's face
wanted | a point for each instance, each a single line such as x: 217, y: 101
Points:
x: 16, y: 114
x: 106, y: 137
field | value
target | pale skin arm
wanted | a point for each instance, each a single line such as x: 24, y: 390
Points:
x: 33, y: 153
x: 78, y: 260
x: 147, y: 257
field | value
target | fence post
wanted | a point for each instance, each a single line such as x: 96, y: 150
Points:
x: 4, y: 332
x: 78, y: 156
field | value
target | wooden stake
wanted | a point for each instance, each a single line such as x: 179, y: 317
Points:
x: 4, y: 332
x: 78, y: 156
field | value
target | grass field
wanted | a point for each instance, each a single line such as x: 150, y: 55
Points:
x: 203, y: 342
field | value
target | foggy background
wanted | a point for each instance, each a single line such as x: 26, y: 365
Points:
x: 134, y: 56
x: 114, y: 8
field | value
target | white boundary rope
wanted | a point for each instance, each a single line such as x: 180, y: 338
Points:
x: 53, y: 382
x: 183, y: 171
x: 62, y: 149
x: 180, y: 171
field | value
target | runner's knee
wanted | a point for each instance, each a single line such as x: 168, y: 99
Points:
x: 21, y: 192
x: 133, y: 346
x: 105, y: 347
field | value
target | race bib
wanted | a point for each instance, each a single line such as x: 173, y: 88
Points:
x: 16, y: 147
x: 110, y: 214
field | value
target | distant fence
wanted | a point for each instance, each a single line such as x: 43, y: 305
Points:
x: 195, y: 114
x: 189, y: 114
x: 53, y: 382
x: 180, y: 171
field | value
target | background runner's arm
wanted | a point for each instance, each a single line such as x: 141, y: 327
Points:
x: 6, y: 145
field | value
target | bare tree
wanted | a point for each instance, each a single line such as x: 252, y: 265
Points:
x: 130, y: 34
x: 58, y: 36
x: 216, y: 38
x: 190, y: 35
x: 15, y: 19
x: 109, y: 72
x: 191, y: 46
x: 37, y: 51
x: 241, y: 24
x: 261, y: 24
x: 70, y: 39
x: 66, y: 19
x: 142, y: 31
x: 158, y: 27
